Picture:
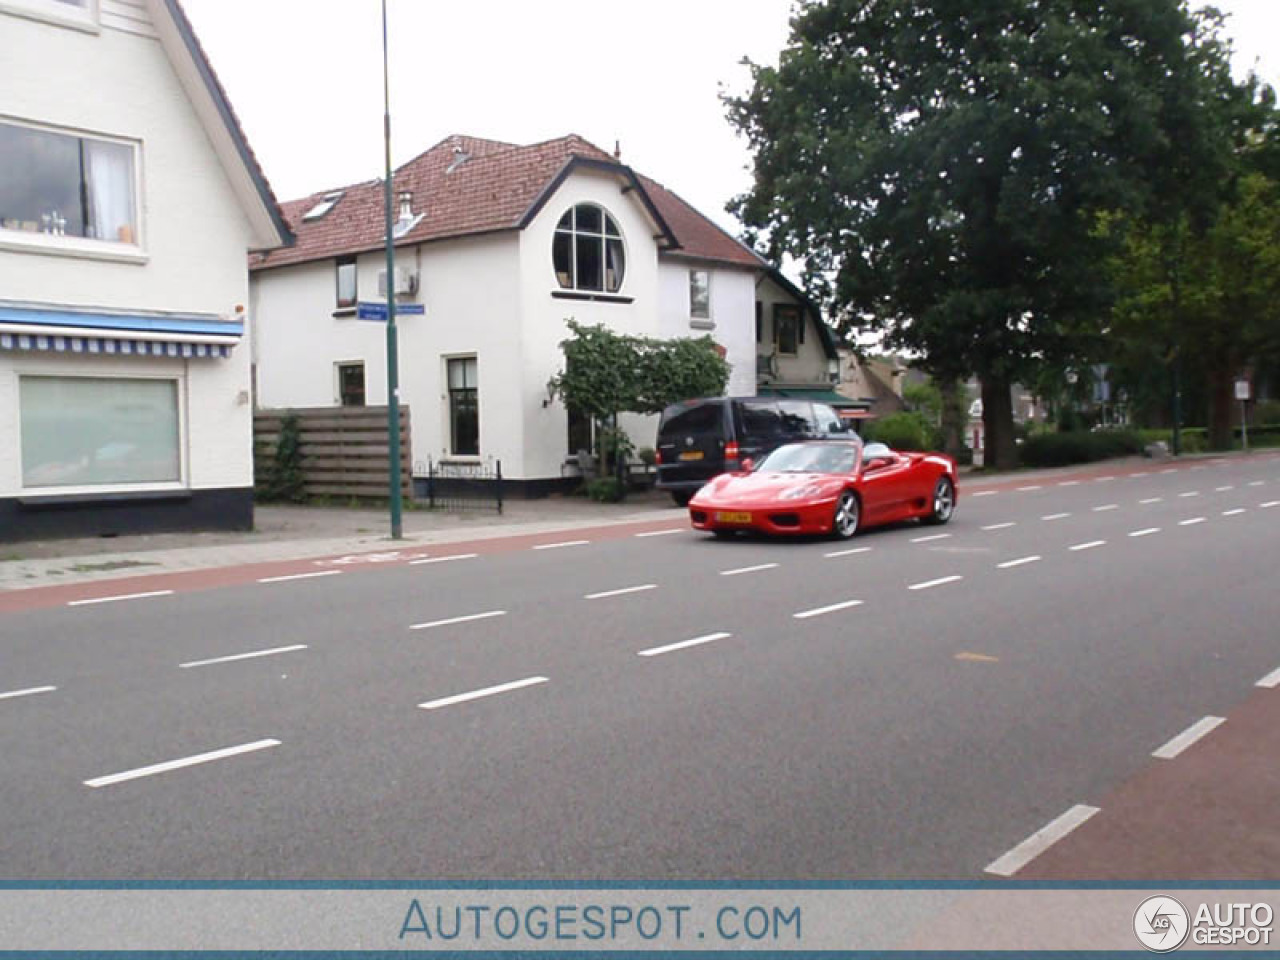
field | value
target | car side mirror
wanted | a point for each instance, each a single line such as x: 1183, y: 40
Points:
x: 747, y: 465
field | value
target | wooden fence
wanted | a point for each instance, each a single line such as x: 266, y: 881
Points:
x: 345, y: 450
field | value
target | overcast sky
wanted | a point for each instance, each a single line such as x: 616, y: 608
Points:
x: 305, y: 78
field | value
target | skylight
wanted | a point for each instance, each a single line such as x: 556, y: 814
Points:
x: 323, y: 207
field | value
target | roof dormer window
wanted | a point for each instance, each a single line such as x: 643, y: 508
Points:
x: 327, y: 203
x: 587, y: 251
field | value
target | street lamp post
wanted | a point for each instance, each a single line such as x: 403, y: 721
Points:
x: 393, y: 360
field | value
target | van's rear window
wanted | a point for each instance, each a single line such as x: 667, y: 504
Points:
x: 699, y: 418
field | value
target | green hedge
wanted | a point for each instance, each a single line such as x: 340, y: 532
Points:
x: 902, y: 431
x: 1064, y: 449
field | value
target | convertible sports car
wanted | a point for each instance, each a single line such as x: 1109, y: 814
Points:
x: 827, y: 486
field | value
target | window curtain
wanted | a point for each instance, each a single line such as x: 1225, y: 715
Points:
x: 108, y: 174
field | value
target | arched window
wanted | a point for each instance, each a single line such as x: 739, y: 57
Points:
x: 587, y: 251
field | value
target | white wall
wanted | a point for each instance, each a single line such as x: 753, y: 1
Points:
x: 194, y: 235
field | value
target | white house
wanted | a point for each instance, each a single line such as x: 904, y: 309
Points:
x: 501, y: 245
x: 129, y: 200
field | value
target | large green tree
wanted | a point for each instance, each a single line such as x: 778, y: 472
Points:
x: 938, y: 166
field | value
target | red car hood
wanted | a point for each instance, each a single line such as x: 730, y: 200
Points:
x: 743, y: 489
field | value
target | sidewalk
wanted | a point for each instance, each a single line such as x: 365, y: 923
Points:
x: 299, y: 532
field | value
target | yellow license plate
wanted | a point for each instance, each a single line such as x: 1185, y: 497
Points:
x: 691, y: 455
x: 732, y: 516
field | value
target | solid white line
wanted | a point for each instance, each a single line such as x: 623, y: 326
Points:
x: 557, y: 546
x: 1146, y: 532
x: 299, y: 576
x: 1068, y: 483
x: 618, y: 593
x: 178, y: 764
x: 1270, y: 681
x: 1233, y: 513
x: 1152, y: 500
x: 1055, y: 516
x: 934, y: 536
x: 819, y: 611
x: 847, y: 553
x: 1190, y: 523
x: 26, y: 693
x: 1034, y: 486
x: 1269, y: 503
x: 999, y: 526
x: 1088, y: 546
x: 455, y: 556
x: 759, y: 566
x: 1223, y: 489
x: 696, y: 641
x: 661, y: 533
x: 486, y: 692
x: 1190, y: 493
x: 244, y: 656
x: 1017, y: 563
x: 934, y: 583
x: 445, y: 623
x: 1187, y: 737
x: 1105, y: 507
x: 1040, y: 841
x: 123, y: 596
x: 984, y: 493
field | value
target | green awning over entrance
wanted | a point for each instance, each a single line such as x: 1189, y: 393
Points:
x: 817, y: 394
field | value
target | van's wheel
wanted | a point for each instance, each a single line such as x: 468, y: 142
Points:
x: 681, y: 497
x: 944, y: 502
x: 845, y: 522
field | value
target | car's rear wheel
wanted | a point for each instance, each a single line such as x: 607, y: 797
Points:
x: 681, y: 497
x: 944, y: 502
x: 848, y: 512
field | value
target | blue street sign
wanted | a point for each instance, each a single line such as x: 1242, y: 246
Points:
x: 378, y: 311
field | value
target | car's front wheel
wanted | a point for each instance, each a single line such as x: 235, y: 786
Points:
x: 845, y: 522
x: 944, y: 502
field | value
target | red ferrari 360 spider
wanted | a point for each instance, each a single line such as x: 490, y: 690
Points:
x: 827, y: 486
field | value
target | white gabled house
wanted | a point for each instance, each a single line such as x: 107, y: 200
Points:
x: 129, y: 200
x: 501, y: 245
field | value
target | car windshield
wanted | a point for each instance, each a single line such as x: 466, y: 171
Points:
x: 811, y: 458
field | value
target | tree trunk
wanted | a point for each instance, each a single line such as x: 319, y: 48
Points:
x: 1222, y: 404
x: 997, y: 424
x: 955, y: 416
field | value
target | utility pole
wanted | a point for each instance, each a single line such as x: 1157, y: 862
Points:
x: 393, y: 351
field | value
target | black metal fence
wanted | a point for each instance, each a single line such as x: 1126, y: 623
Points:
x: 462, y: 486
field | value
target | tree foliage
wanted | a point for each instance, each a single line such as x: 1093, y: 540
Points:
x: 938, y: 165
x: 607, y: 373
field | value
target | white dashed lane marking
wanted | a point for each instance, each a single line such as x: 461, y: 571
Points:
x: 847, y: 553
x: 123, y: 596
x: 300, y: 576
x: 558, y: 546
x: 179, y: 764
x: 244, y: 656
x: 1233, y: 513
x: 1191, y: 522
x: 756, y: 568
x: 1105, y: 507
x: 661, y: 533
x: 30, y: 691
x: 448, y: 559
x: 1040, y: 841
x: 1055, y: 516
x: 1145, y: 533
x: 485, y: 692
x: 1152, y: 500
x: 1088, y: 546
x: 452, y: 620
x: 1000, y: 526
x: 831, y: 608
x: 682, y: 645
x: 1201, y: 728
x: 931, y: 537
x: 621, y: 592
x: 929, y: 584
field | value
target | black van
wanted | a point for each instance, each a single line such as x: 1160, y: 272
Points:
x: 698, y: 439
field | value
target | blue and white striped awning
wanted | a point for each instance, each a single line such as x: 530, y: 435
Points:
x: 29, y: 327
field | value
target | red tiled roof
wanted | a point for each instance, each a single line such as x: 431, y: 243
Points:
x: 491, y: 190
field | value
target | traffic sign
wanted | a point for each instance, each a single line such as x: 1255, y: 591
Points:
x: 1242, y: 389
x: 378, y: 311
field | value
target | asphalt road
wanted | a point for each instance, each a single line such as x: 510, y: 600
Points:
x: 910, y: 704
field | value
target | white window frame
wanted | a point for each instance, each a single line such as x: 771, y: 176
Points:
x: 178, y: 379
x: 693, y: 310
x: 446, y: 407
x: 84, y: 247
x: 83, y: 16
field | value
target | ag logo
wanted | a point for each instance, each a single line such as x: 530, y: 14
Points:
x: 1161, y: 924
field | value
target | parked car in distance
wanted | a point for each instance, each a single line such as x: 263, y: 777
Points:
x: 698, y: 439
x: 833, y: 487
